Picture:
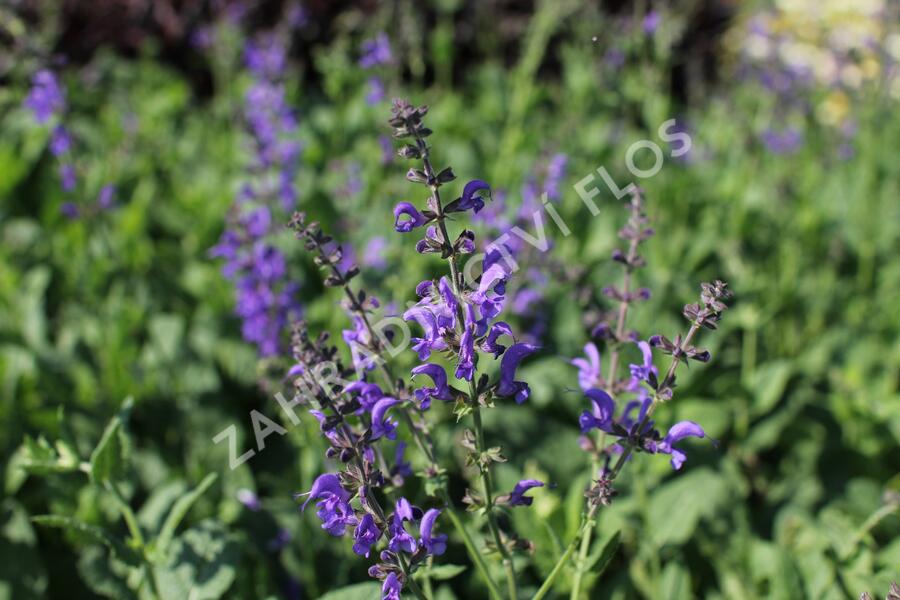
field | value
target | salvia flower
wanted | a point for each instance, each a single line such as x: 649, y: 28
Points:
x: 334, y: 511
x: 517, y: 496
x: 401, y: 540
x: 508, y: 364
x: 382, y: 424
x: 676, y: 433
x: 439, y: 391
x: 589, y: 374
x: 412, y: 218
x: 365, y: 535
x: 601, y: 415
x: 391, y: 588
x: 433, y: 544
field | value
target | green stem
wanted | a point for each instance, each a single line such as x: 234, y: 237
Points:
x: 585, y: 544
x: 404, y: 566
x: 488, y: 497
x: 586, y: 528
x: 127, y: 514
x: 874, y: 519
x: 476, y: 556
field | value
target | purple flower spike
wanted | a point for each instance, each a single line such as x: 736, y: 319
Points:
x: 676, y: 433
x: 68, y: 177
x: 382, y: 425
x: 518, y: 498
x: 45, y: 97
x: 366, y: 535
x: 440, y: 391
x: 406, y: 225
x: 330, y: 434
x: 589, y: 374
x: 508, y: 365
x: 602, y: 414
x: 436, y: 545
x: 391, y: 588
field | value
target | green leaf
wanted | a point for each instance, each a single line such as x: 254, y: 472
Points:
x: 104, y: 575
x: 677, y: 507
x: 598, y: 563
x: 109, y: 458
x: 202, y: 564
x: 360, y: 591
x: 768, y: 384
x: 22, y: 575
x: 153, y: 512
x: 89, y: 532
x: 675, y: 582
x: 179, y: 510
x: 441, y: 572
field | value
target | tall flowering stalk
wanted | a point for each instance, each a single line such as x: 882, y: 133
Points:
x: 621, y: 433
x: 373, y: 407
x: 459, y: 319
x: 47, y: 102
x: 266, y: 298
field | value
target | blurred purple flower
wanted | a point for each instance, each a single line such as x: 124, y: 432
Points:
x: 375, y: 52
x: 376, y: 91
x: 785, y: 141
x: 46, y: 97
x: 651, y: 22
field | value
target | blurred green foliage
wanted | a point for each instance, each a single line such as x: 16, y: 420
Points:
x: 802, y: 393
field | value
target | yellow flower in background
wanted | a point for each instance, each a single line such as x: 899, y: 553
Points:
x: 834, y: 109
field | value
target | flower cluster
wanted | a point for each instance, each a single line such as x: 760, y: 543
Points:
x: 456, y: 318
x: 265, y: 297
x: 357, y: 418
x: 633, y: 429
x: 459, y: 318
x: 47, y: 102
